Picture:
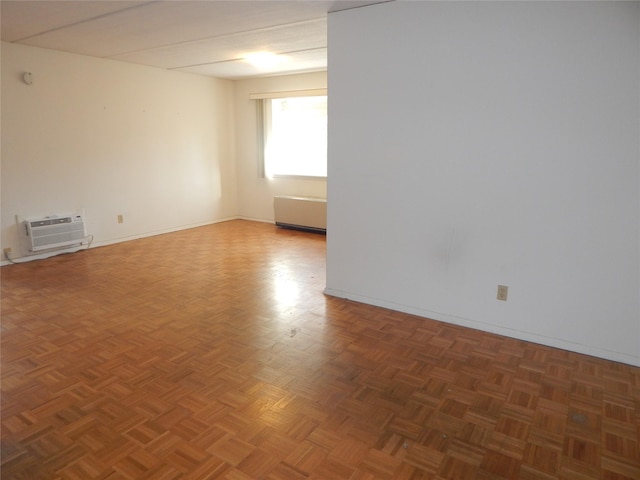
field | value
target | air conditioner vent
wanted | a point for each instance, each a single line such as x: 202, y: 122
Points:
x: 55, y: 232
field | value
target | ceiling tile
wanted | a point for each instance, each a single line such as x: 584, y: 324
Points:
x: 165, y: 23
x: 293, y: 37
x: 202, y: 36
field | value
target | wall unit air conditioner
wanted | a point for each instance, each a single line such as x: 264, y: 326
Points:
x: 55, y: 232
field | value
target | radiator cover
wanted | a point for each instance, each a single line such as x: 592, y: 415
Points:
x: 302, y: 213
x: 55, y: 232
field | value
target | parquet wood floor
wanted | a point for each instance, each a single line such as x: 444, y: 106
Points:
x: 212, y: 353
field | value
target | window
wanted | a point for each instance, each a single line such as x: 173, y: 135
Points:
x: 295, y: 136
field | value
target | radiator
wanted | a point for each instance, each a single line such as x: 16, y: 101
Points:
x: 55, y: 232
x: 301, y: 213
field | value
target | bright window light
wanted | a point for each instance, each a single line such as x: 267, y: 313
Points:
x: 295, y: 136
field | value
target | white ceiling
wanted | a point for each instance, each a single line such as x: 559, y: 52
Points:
x: 207, y: 37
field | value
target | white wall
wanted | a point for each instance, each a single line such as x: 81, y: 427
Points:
x: 107, y: 138
x: 255, y: 193
x: 473, y: 144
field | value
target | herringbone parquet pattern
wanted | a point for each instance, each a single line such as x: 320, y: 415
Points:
x: 212, y: 353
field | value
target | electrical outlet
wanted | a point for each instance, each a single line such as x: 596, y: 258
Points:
x: 503, y: 290
x: 120, y: 218
x: 7, y: 251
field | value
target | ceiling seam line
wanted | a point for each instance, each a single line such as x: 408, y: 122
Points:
x: 80, y: 22
x: 239, y: 59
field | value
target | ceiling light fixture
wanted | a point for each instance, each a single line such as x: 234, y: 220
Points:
x: 264, y: 60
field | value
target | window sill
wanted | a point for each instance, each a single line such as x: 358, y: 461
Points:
x: 295, y: 177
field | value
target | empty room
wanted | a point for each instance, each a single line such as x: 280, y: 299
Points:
x: 320, y: 240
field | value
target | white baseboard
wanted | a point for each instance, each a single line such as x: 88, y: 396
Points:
x: 161, y: 232
x: 487, y: 327
x: 43, y: 255
x: 252, y: 219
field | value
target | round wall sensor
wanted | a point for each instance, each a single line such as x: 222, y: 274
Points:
x: 27, y: 78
